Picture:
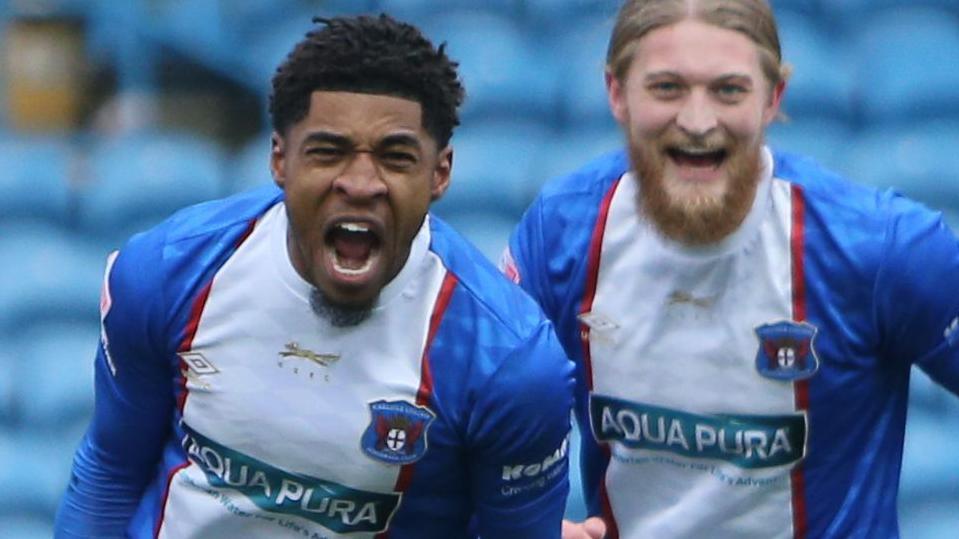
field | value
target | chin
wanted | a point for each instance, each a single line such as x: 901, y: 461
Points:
x: 696, y: 197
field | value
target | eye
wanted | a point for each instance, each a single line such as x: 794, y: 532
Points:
x: 398, y: 159
x: 730, y: 92
x: 665, y: 89
x: 326, y: 154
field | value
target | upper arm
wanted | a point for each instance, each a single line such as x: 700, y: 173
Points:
x: 519, y: 441
x: 918, y: 287
x: 133, y: 400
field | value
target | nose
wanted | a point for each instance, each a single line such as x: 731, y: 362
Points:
x: 360, y: 178
x: 697, y: 115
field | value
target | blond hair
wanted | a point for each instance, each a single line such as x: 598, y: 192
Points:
x: 754, y: 18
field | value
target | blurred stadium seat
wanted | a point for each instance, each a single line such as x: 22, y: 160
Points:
x: 420, y: 11
x: 821, y: 83
x: 36, y: 178
x: 827, y: 141
x: 264, y: 46
x: 250, y: 166
x: 8, y: 411
x: 583, y: 49
x: 51, y: 275
x: 136, y: 181
x: 493, y: 162
x: 488, y: 232
x: 26, y: 527
x: 906, y: 65
x: 53, y: 403
x: 852, y: 12
x: 920, y: 161
x: 506, y: 72
x: 927, y: 476
x: 560, y: 14
x: 32, y: 487
x: 568, y: 151
x: 808, y: 8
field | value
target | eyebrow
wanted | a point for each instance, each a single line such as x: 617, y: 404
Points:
x: 673, y: 74
x: 395, y: 139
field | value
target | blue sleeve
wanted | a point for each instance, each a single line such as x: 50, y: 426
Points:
x: 133, y: 405
x: 523, y: 262
x: 918, y: 285
x: 519, y: 433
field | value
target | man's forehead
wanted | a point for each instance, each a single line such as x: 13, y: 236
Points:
x: 696, y: 47
x: 363, y: 116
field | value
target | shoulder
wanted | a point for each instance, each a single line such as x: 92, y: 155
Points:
x: 868, y: 229
x: 585, y: 187
x: 163, y: 266
x: 493, y: 338
x: 489, y: 297
x: 838, y: 203
x: 561, y: 219
x: 200, y: 225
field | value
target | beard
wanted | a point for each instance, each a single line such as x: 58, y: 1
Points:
x: 695, y: 214
x: 339, y: 315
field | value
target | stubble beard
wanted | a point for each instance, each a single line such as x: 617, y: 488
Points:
x: 339, y: 315
x: 693, y: 218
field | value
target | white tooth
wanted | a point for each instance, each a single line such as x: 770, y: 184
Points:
x: 354, y: 227
x: 349, y: 271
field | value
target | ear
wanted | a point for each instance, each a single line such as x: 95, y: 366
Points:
x: 441, y: 174
x: 775, y: 100
x: 277, y: 159
x: 617, y: 97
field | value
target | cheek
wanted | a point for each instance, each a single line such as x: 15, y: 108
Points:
x: 745, y: 124
x: 649, y: 118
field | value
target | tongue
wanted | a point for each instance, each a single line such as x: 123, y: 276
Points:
x: 352, y: 250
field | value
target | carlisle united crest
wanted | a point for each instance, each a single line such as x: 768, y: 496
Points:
x: 786, y: 350
x: 397, y: 432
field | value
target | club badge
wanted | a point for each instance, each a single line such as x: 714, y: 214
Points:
x: 786, y: 350
x: 397, y: 432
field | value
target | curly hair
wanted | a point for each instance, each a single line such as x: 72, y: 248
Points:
x: 375, y: 55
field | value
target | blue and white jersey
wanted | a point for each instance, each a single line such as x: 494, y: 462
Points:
x: 226, y: 408
x: 752, y: 388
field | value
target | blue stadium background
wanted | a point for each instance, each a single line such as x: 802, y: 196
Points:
x: 114, y: 113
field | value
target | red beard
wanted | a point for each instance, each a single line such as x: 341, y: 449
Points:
x: 704, y: 221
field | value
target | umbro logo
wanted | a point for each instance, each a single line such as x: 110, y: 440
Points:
x: 197, y: 368
x: 293, y: 350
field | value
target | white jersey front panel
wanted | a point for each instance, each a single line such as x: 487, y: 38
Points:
x: 270, y: 382
x: 673, y: 352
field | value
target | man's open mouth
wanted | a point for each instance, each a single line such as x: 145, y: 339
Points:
x: 697, y: 157
x: 353, y: 247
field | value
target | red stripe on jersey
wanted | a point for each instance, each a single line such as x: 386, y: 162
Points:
x: 425, y: 391
x: 801, y: 387
x: 189, y: 333
x: 194, y: 322
x: 166, y: 493
x: 592, y: 276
